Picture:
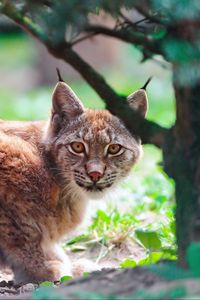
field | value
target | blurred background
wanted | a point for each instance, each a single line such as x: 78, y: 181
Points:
x: 28, y: 75
x: 27, y: 79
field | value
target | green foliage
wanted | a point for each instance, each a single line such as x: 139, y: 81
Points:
x: 65, y: 278
x: 128, y: 263
x: 152, y: 258
x: 193, y: 258
x: 178, y: 10
x: 74, y: 15
x: 127, y: 218
x: 149, y: 239
x: 80, y: 238
x: 46, y: 283
x: 172, y: 49
x: 171, y: 271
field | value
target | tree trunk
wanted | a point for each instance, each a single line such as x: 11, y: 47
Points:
x: 182, y: 163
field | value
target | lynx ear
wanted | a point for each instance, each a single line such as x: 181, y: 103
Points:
x: 65, y: 102
x: 65, y: 105
x: 139, y: 100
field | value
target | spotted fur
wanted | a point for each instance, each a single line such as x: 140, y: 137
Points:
x: 45, y: 187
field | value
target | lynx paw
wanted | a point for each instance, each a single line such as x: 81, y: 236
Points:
x: 50, y: 271
x: 56, y: 269
x: 83, y: 266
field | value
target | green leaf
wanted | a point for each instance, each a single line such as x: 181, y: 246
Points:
x: 159, y: 34
x: 149, y: 239
x: 103, y: 216
x: 79, y: 238
x: 46, y: 283
x: 128, y: 263
x: 173, y: 226
x: 152, y: 258
x: 65, y: 278
x: 193, y: 258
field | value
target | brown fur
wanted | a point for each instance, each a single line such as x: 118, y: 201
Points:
x: 44, y: 188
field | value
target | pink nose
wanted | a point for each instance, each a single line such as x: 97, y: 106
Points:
x: 95, y: 175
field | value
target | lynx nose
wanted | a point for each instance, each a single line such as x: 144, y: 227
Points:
x: 95, y: 175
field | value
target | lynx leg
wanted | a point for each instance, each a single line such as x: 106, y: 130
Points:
x: 29, y: 260
x: 22, y: 249
x: 37, y: 266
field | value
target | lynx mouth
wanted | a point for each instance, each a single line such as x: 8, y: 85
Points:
x: 93, y: 187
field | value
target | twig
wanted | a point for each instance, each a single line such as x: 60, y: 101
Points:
x: 144, y: 7
x: 81, y: 39
x: 132, y: 37
x: 133, y: 24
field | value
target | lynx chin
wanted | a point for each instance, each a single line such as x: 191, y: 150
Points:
x: 48, y: 172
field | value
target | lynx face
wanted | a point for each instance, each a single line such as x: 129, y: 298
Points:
x: 92, y: 149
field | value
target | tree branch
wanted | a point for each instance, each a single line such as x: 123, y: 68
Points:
x: 129, y: 36
x: 23, y: 21
x: 150, y: 132
x: 130, y: 23
x: 83, y: 38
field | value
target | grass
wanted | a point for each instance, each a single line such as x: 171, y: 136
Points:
x: 141, y: 213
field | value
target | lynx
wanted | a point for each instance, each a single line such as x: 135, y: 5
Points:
x: 49, y: 171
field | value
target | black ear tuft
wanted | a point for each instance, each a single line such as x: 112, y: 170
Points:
x: 59, y: 75
x: 146, y: 83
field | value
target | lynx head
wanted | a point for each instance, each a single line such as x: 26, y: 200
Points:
x: 92, y: 149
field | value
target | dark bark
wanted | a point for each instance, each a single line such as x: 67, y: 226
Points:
x: 182, y: 162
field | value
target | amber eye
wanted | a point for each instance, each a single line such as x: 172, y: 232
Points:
x: 114, y: 148
x: 77, y: 147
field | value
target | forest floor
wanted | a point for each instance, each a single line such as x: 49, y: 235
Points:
x: 137, y: 284
x: 86, y: 258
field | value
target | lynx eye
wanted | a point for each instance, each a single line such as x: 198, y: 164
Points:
x: 114, y: 149
x: 77, y: 147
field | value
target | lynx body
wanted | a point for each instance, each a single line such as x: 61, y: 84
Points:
x: 48, y: 171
